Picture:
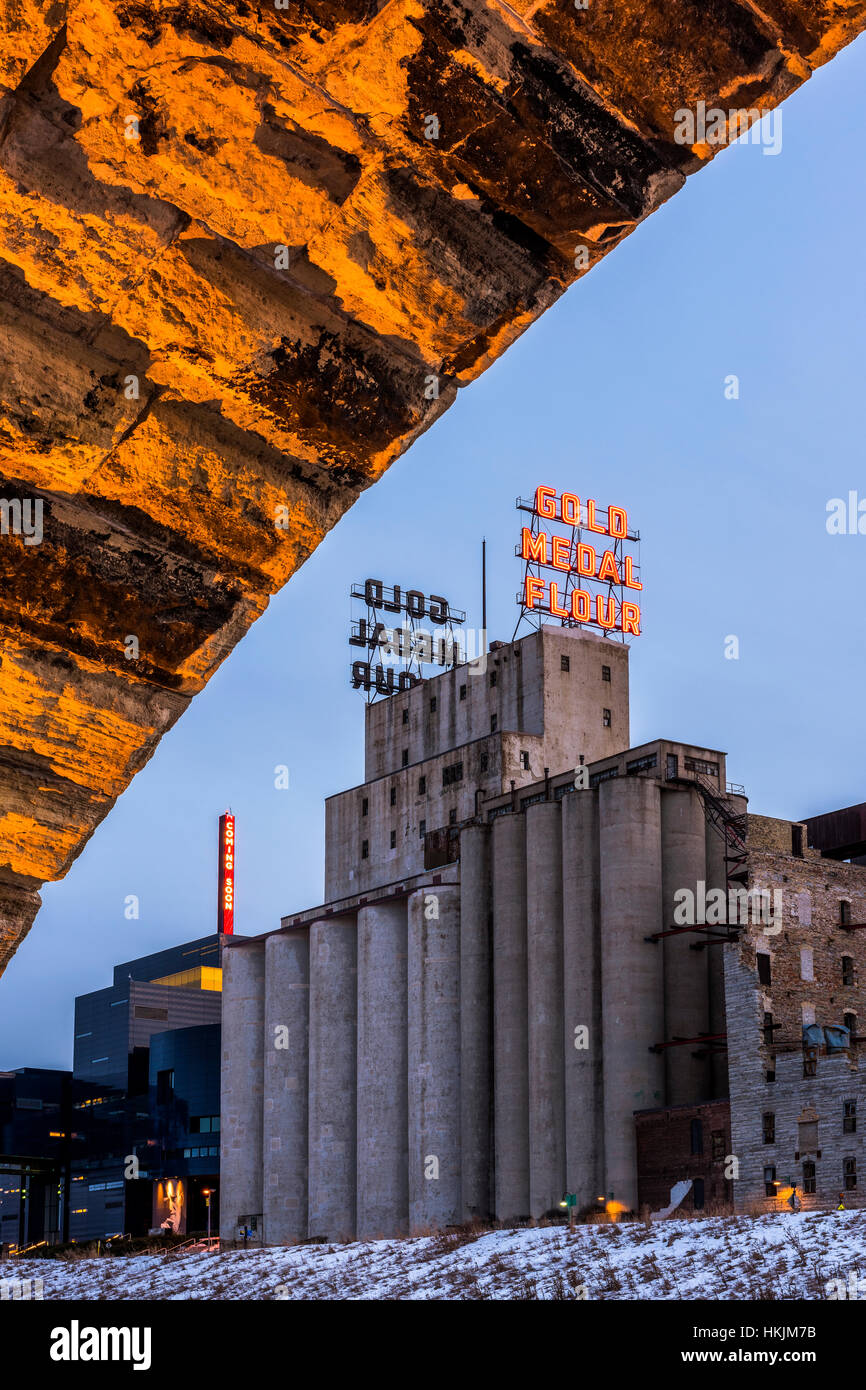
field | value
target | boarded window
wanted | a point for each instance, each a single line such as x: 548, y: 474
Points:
x: 807, y: 963
x: 769, y: 1126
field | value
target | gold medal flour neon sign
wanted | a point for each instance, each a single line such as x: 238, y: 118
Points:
x: 587, y: 576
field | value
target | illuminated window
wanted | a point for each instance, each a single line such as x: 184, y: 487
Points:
x: 565, y: 663
x: 365, y: 849
x: 605, y: 673
x: 463, y: 692
x: 847, y: 970
x: 393, y: 796
x: 605, y: 718
x: 849, y: 1117
x: 393, y: 839
x: 405, y: 758
x: 422, y: 786
x: 769, y: 1128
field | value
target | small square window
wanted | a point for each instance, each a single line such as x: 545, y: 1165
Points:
x: 463, y: 692
x: 433, y: 704
x: 405, y: 758
x: 405, y: 714
x: 605, y: 673
x: 365, y: 849
x: 484, y: 762
x: 452, y: 816
x: 565, y: 663
x: 393, y: 796
x: 365, y: 806
x: 494, y: 676
x: 494, y: 721
x: 605, y: 718
x: 393, y: 839
x: 422, y: 786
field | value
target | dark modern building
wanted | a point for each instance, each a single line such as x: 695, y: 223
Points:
x: 128, y: 1142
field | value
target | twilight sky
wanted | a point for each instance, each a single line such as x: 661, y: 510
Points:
x: 756, y: 269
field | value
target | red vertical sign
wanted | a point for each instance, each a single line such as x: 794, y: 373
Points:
x: 226, y: 908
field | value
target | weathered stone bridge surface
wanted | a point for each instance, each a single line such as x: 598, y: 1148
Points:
x: 242, y: 248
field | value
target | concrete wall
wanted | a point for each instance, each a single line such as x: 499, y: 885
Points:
x: 286, y: 1070
x: 333, y: 1077
x: 242, y: 1087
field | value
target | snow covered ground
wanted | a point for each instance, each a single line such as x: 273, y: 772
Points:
x: 768, y: 1257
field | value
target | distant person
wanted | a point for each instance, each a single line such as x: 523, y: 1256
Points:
x: 841, y: 1206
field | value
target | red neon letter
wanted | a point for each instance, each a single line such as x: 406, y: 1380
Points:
x: 617, y: 524
x: 631, y: 618
x: 580, y: 605
x: 629, y: 580
x: 570, y: 509
x: 586, y: 560
x: 609, y: 618
x: 591, y: 524
x: 534, y: 590
x: 554, y: 603
x: 607, y: 569
x: 560, y: 556
x: 544, y: 501
x: 533, y: 547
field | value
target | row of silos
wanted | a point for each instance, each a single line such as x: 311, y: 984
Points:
x: 474, y: 1051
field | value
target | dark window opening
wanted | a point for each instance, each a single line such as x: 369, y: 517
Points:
x: 365, y: 806
x: 605, y: 718
x: 524, y: 760
x: 850, y: 1022
x: 405, y: 757
x: 452, y: 816
x: 494, y: 676
x: 797, y: 841
x: 422, y: 786
x: 763, y: 968
x: 808, y: 1176
x: 393, y: 839
x: 605, y: 673
x: 405, y: 714
x: 769, y: 1127
x: 770, y: 1180
x: 565, y: 663
x: 697, y: 1137
x: 849, y: 1117
x: 452, y: 774
x: 493, y: 723
x: 698, y: 1193
x: 484, y: 762
x: 849, y: 1170
x: 433, y: 704
x: 844, y: 913
x: 365, y: 849
x: 463, y: 692
x: 393, y: 796
x: 768, y: 1028
x: 422, y: 828
x: 847, y: 970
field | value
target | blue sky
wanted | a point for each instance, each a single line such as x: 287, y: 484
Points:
x: 756, y: 269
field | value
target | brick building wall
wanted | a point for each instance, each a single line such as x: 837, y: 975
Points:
x: 684, y: 1142
x: 797, y: 1117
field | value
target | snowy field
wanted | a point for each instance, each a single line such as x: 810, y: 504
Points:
x: 768, y: 1257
